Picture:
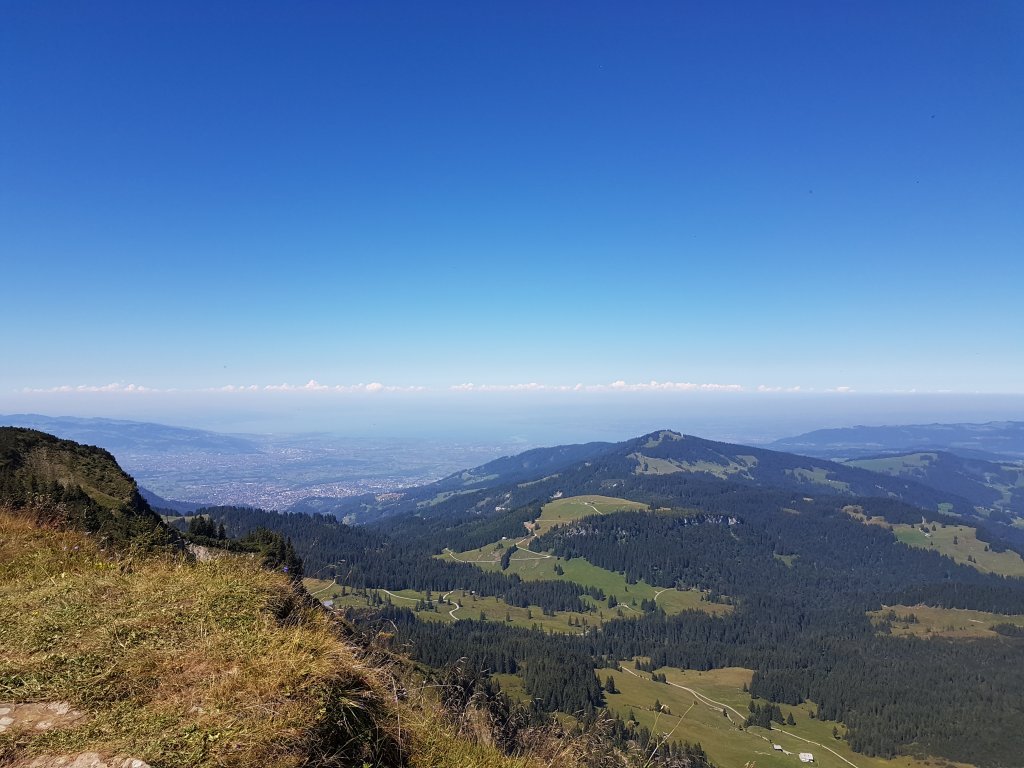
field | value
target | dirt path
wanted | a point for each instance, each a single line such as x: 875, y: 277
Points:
x: 323, y: 589
x: 416, y: 599
x: 460, y: 560
x: 535, y: 556
x: 717, y: 705
x: 400, y: 597
x: 453, y: 610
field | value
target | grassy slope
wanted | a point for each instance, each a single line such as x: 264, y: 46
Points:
x: 955, y: 623
x: 690, y: 719
x: 648, y: 465
x: 942, y: 541
x: 50, y: 459
x: 193, y: 664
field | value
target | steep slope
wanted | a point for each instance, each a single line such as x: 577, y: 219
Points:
x: 28, y: 456
x: 75, y: 484
x: 157, y: 657
x: 172, y: 662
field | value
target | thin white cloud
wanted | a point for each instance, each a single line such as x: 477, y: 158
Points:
x: 112, y: 387
x: 315, y: 386
x: 673, y: 386
x: 376, y: 387
x: 528, y: 387
x: 310, y: 386
x: 615, y: 386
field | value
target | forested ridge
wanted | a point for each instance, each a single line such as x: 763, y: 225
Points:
x: 800, y: 570
x: 512, y: 481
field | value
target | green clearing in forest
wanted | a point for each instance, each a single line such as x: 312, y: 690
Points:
x: 459, y: 605
x: 577, y: 507
x: 537, y: 566
x: 689, y: 718
x: 926, y: 621
x: 960, y: 542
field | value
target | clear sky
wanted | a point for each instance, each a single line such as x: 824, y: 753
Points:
x: 196, y: 196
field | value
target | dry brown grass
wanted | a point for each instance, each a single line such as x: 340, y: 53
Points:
x: 180, y: 663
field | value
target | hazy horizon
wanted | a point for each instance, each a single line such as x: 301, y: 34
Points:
x: 533, y: 418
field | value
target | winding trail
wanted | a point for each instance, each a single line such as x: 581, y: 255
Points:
x: 536, y: 556
x: 717, y: 705
x: 416, y: 599
x: 453, y: 610
x: 322, y: 589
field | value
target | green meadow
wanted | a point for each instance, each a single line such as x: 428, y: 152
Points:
x: 943, y: 622
x: 696, y: 715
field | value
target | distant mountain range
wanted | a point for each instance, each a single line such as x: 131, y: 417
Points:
x: 993, y: 440
x: 118, y: 435
x: 667, y: 460
x: 964, y: 466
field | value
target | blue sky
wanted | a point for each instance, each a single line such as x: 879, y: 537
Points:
x: 428, y: 195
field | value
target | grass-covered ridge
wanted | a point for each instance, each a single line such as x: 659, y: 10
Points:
x: 36, y: 456
x: 77, y: 486
x: 175, y: 662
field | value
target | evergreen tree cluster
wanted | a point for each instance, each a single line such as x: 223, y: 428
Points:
x: 506, y: 557
x: 370, y: 558
x: 764, y: 715
x: 277, y: 551
x: 203, y: 528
